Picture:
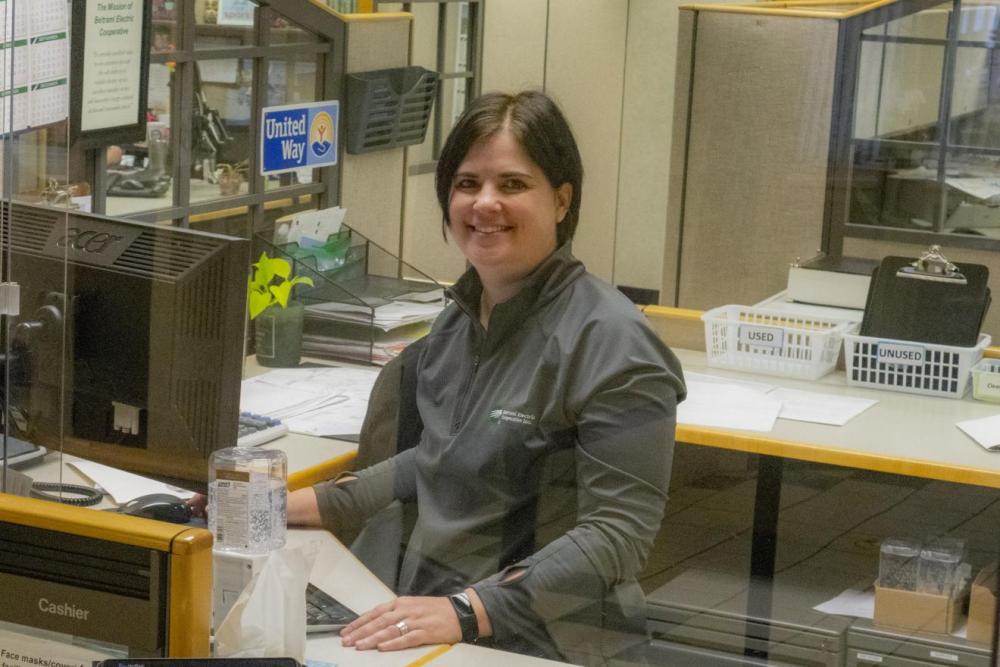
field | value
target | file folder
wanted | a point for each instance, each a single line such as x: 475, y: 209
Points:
x: 906, y: 304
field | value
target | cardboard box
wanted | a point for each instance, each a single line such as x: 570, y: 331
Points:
x: 983, y: 605
x: 907, y: 610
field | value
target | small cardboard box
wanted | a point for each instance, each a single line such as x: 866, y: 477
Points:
x: 983, y: 605
x: 908, y: 610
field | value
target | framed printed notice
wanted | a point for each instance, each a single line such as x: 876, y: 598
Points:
x: 110, y: 47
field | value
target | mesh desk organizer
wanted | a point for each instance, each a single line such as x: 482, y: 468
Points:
x: 354, y: 281
x: 388, y: 108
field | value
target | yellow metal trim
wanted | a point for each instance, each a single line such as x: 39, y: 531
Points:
x: 366, y: 12
x: 243, y: 210
x: 190, y: 612
x: 321, y: 471
x: 767, y: 11
x: 800, y: 8
x: 376, y: 16
x: 667, y: 312
x: 107, y: 526
x: 436, y: 653
x: 743, y: 442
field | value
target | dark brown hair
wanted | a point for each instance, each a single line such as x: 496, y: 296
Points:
x: 541, y: 130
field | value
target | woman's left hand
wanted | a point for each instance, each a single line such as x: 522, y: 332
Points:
x: 403, y: 623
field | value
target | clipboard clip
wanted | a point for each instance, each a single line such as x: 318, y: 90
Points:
x: 935, y: 267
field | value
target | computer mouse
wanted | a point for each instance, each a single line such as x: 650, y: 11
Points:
x: 159, y: 506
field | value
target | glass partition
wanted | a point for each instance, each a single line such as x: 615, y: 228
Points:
x: 925, y: 140
x: 35, y: 169
x: 213, y: 67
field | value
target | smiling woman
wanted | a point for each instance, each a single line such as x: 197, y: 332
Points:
x: 539, y: 376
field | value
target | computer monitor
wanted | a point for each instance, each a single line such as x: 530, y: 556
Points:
x: 129, y: 344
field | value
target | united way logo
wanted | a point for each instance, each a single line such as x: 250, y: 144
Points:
x: 321, y: 134
x: 297, y: 136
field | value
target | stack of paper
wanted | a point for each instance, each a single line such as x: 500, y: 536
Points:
x: 374, y: 333
x: 315, y: 401
x: 360, y: 342
x: 386, y: 317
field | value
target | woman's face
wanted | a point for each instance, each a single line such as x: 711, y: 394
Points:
x: 504, y: 211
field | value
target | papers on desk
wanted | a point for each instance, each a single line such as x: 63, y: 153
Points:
x: 810, y: 406
x: 386, y: 317
x: 860, y: 604
x: 376, y: 332
x: 753, y: 406
x: 314, y: 401
x: 724, y: 405
x: 985, y: 431
x: 124, y: 486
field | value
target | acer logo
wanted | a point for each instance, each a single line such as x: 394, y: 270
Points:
x: 88, y: 240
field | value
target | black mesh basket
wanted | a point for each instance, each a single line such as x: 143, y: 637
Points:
x: 388, y: 108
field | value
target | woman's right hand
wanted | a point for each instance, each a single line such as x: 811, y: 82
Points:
x: 198, y: 504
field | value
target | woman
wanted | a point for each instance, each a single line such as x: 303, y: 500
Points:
x: 538, y: 372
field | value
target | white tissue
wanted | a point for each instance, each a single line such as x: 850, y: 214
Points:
x: 268, y: 620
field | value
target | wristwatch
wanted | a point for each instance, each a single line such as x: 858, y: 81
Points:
x: 466, y: 616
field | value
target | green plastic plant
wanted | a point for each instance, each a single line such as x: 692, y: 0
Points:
x: 271, y: 284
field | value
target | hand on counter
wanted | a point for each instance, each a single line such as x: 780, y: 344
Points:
x: 410, y: 621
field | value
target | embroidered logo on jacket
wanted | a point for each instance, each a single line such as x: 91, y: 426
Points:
x: 511, y: 417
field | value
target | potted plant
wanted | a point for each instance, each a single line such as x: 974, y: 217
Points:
x: 230, y: 177
x: 277, y: 322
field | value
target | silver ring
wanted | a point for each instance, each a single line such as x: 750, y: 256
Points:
x: 402, y: 627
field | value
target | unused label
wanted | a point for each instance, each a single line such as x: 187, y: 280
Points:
x: 900, y: 355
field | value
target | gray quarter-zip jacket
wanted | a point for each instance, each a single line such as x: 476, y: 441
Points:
x: 541, y: 474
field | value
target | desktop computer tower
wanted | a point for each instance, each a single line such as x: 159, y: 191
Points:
x: 139, y: 587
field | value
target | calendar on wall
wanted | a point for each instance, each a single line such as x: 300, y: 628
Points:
x: 34, y: 63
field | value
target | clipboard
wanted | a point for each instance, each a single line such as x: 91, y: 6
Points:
x: 927, y: 300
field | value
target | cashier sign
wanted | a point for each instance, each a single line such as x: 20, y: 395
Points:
x: 298, y: 136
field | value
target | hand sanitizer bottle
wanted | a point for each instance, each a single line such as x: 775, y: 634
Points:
x: 247, y: 499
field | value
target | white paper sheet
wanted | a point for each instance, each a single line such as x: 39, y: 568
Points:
x: 125, y: 486
x: 985, y: 431
x: 314, y: 401
x: 811, y: 406
x: 850, y: 603
x: 727, y: 406
x: 762, y: 387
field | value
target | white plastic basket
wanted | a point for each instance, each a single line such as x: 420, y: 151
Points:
x: 917, y: 368
x: 774, y: 342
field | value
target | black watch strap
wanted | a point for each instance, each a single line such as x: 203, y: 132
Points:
x: 466, y: 616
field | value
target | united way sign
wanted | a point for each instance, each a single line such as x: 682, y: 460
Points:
x: 298, y: 136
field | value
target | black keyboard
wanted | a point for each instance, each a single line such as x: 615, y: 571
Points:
x: 324, y: 613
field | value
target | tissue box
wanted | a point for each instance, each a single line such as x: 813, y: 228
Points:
x: 231, y: 573
x: 983, y: 605
x: 909, y: 610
